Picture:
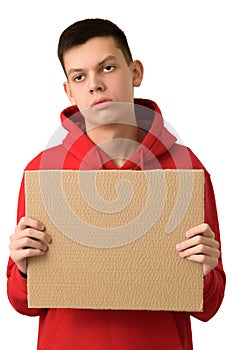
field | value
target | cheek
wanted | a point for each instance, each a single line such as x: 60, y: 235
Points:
x: 127, y: 91
x: 80, y: 98
x: 124, y: 88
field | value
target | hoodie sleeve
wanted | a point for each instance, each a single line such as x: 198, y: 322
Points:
x: 214, y: 282
x: 17, y: 283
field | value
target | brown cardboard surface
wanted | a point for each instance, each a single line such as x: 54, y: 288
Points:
x: 113, y: 239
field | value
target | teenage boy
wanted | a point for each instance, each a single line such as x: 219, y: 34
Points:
x: 101, y: 75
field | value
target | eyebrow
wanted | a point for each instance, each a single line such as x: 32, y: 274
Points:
x: 101, y: 63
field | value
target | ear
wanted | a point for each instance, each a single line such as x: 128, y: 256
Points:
x: 138, y: 72
x: 67, y: 89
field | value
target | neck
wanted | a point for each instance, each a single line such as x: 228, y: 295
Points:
x: 118, y: 141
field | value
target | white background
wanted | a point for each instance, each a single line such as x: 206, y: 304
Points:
x: 187, y: 50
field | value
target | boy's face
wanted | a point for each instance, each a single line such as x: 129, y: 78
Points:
x: 99, y: 75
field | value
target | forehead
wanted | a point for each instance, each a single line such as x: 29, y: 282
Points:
x: 91, y: 53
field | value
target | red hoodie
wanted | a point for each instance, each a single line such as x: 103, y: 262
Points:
x: 72, y: 329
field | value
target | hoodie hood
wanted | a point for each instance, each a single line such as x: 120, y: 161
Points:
x: 157, y: 140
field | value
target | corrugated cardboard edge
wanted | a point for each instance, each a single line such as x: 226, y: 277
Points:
x: 36, y: 263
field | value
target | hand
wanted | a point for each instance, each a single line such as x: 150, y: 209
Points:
x: 200, y: 246
x: 28, y: 240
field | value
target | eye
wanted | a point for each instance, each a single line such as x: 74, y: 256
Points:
x: 108, y: 68
x: 79, y: 78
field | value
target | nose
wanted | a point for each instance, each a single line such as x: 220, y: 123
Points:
x: 95, y: 84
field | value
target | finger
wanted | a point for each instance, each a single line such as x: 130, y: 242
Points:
x: 27, y: 243
x: 29, y: 222
x: 200, y: 258
x: 208, y: 262
x: 203, y: 229
x: 200, y: 250
x: 31, y: 233
x: 196, y: 240
x: 20, y: 255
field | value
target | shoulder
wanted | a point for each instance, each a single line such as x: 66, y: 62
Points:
x: 51, y: 158
x: 185, y: 158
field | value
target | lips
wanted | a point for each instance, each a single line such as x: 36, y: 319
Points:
x: 101, y: 103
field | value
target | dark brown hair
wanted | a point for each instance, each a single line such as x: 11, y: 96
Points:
x: 80, y: 32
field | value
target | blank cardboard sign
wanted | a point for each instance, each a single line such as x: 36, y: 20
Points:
x: 113, y: 239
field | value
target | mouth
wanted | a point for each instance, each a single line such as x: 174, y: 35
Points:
x: 101, y: 103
